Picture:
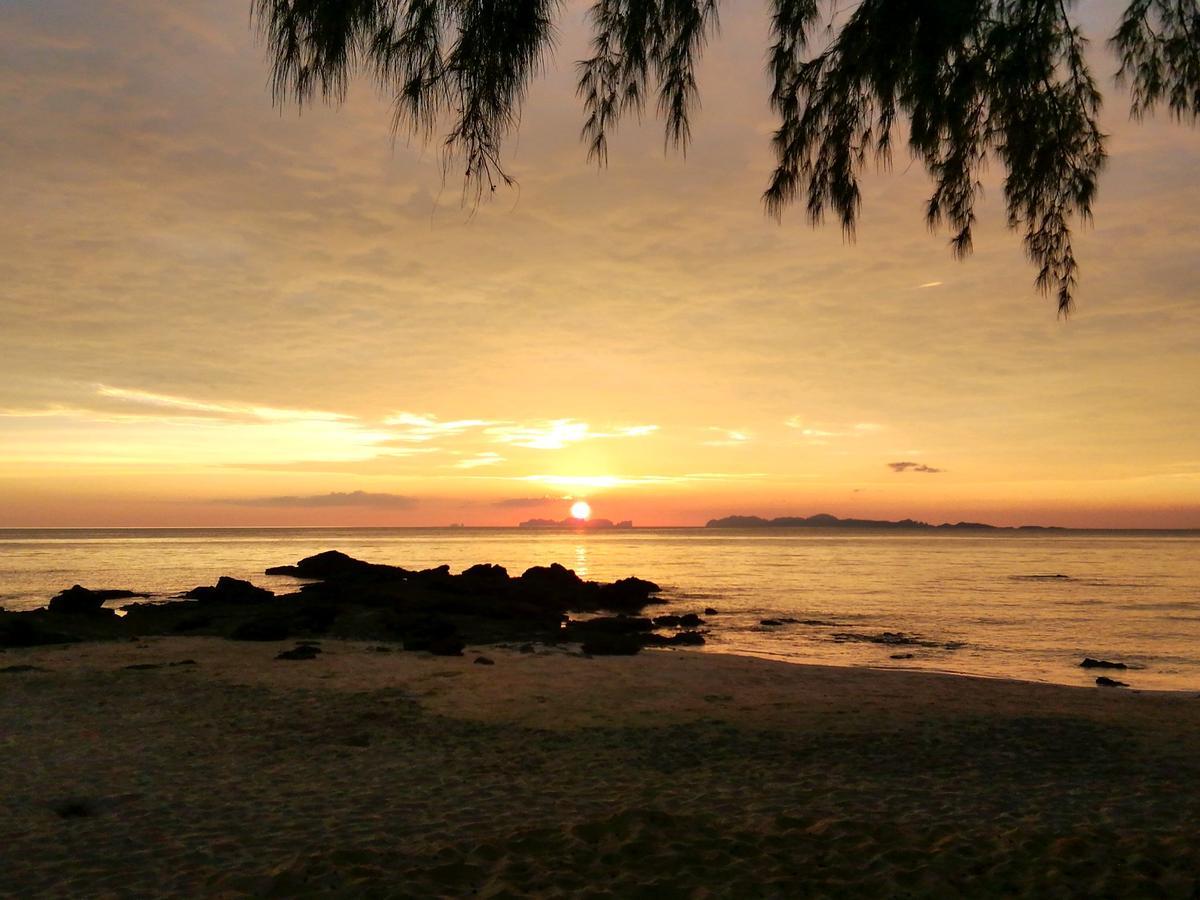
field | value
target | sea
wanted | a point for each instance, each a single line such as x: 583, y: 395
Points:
x: 1001, y: 604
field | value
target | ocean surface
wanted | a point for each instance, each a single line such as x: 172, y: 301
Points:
x: 1017, y: 605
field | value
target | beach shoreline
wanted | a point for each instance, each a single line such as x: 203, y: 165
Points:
x: 675, y: 773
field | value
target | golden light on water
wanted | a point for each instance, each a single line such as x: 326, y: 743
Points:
x: 581, y: 509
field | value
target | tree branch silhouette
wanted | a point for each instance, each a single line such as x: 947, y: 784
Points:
x: 974, y: 81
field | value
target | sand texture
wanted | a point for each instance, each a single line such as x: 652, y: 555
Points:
x: 669, y: 774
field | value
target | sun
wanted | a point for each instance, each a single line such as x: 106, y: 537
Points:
x: 580, y: 509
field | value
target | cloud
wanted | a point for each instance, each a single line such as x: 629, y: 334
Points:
x: 527, y: 502
x: 913, y: 467
x: 555, y: 434
x: 617, y: 481
x: 538, y: 434
x: 819, y: 433
x: 186, y: 406
x: 479, y: 459
x: 333, y: 499
x: 728, y: 438
x: 415, y: 427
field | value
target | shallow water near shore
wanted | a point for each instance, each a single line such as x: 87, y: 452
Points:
x: 1015, y: 605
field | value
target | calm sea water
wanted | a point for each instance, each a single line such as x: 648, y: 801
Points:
x: 1125, y: 596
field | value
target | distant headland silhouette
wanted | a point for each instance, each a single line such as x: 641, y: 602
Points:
x: 825, y: 520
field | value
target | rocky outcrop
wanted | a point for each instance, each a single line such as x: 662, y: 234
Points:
x: 430, y: 610
x: 230, y: 590
x: 335, y: 564
x: 78, y: 600
x: 1089, y: 663
x: 30, y: 630
x: 300, y: 652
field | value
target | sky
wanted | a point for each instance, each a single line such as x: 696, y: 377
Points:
x: 217, y: 312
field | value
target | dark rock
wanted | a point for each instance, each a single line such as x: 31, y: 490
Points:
x: 75, y: 808
x: 1090, y: 663
x: 21, y: 668
x: 78, y: 600
x: 902, y: 656
x: 486, y: 572
x: 484, y: 661
x: 350, y: 598
x: 553, y: 579
x: 380, y: 649
x: 434, y: 634
x: 192, y: 623
x: 709, y: 611
x: 687, y: 620
x: 1104, y: 681
x: 526, y: 648
x: 333, y: 564
x: 144, y: 666
x: 23, y: 630
x: 893, y: 639
x: 260, y: 630
x: 679, y: 639
x: 770, y: 622
x: 604, y: 643
x: 611, y: 625
x: 230, y: 590
x: 358, y: 740
x: 447, y: 646
x: 300, y: 651
x: 628, y: 594
x: 183, y: 662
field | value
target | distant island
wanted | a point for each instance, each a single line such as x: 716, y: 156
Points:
x: 577, y: 524
x: 825, y: 520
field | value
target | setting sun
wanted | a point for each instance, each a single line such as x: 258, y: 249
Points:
x: 581, y: 509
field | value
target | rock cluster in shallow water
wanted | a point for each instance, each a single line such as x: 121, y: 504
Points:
x: 431, y: 610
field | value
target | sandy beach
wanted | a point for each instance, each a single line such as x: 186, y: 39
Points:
x: 669, y: 774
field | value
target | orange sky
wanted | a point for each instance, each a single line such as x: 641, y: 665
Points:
x: 217, y: 314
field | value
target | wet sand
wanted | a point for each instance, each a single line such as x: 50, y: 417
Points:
x: 668, y: 774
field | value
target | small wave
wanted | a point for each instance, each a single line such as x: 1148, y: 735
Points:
x: 895, y: 639
x: 693, y: 595
x: 1042, y: 577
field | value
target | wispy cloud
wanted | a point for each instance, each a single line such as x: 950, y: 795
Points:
x: 555, y: 434
x: 816, y: 433
x: 602, y: 481
x: 418, y: 428
x: 526, y: 502
x: 617, y: 481
x: 727, y: 438
x: 479, y: 460
x: 333, y: 499
x: 913, y: 467
x: 187, y: 406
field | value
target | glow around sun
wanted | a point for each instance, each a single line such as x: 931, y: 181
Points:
x: 581, y: 509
